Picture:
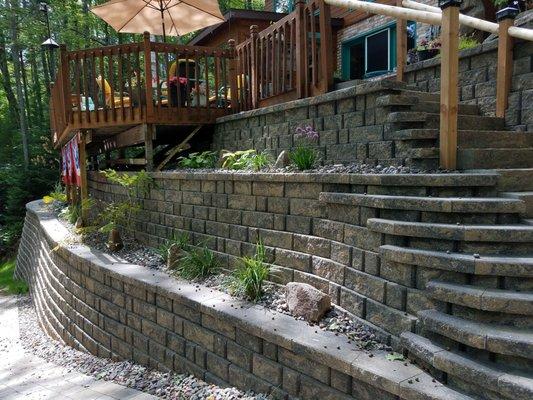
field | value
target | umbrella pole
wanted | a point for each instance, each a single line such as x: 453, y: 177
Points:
x: 162, y: 9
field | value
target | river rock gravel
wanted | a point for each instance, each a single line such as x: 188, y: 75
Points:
x: 161, y: 384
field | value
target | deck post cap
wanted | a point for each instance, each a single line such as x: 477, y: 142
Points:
x: 449, y: 3
x: 507, y: 13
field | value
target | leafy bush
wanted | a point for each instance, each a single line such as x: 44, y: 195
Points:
x: 248, y: 278
x: 245, y: 159
x: 182, y: 241
x: 205, y: 159
x: 466, y: 42
x: 71, y: 213
x: 57, y: 194
x: 304, y: 157
x: 137, y: 184
x: 197, y: 263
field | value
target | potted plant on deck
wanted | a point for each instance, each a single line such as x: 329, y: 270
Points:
x: 428, y: 49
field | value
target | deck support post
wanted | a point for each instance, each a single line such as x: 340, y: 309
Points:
x: 449, y: 81
x: 149, y: 146
x: 326, y: 46
x: 505, y: 59
x: 149, y: 117
x: 301, y: 64
x: 232, y: 70
x: 254, y: 67
x: 84, y: 192
x: 401, y: 45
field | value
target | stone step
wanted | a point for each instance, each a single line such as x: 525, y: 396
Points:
x: 429, y: 204
x: 459, y: 262
x: 423, y: 96
x: 484, y: 375
x: 515, y: 180
x: 494, y: 139
x: 495, y: 158
x: 486, y: 299
x: 467, y: 233
x: 493, y: 338
x: 432, y: 120
x: 416, y: 153
x: 526, y: 197
x: 416, y: 103
x: 528, y: 221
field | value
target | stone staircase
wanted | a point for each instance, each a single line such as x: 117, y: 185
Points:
x: 472, y: 259
x: 483, y: 143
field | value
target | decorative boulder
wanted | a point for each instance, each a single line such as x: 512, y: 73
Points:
x: 305, y: 301
x: 283, y: 160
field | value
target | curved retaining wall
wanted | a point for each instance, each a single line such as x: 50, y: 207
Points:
x: 327, y: 245
x: 101, y: 304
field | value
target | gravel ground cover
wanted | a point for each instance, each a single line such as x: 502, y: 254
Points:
x: 336, y: 320
x: 353, y: 168
x: 160, y: 384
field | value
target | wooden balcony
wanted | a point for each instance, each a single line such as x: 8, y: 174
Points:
x: 108, y: 90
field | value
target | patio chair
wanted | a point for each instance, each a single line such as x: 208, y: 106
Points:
x: 106, y: 90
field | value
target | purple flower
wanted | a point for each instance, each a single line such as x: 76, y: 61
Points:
x: 307, y: 132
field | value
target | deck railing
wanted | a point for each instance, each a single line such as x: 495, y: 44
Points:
x: 291, y: 59
x: 146, y: 82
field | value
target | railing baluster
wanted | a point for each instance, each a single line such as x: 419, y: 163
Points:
x: 121, y: 84
x: 111, y: 85
x: 206, y: 60
x: 94, y: 92
x: 86, y: 89
x: 148, y: 78
x: 102, y: 84
x: 77, y: 83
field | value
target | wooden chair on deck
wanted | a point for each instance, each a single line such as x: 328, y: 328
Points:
x: 112, y: 101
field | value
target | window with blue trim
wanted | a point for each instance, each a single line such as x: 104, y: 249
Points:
x: 283, y: 6
x: 373, y: 53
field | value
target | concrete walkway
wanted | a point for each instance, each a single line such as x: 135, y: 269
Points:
x: 26, y: 376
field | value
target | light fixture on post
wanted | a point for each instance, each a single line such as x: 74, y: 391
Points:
x: 49, y: 44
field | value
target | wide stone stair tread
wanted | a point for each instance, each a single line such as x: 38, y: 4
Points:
x: 495, y: 158
x: 491, y: 337
x: 515, y: 179
x: 460, y: 262
x: 526, y: 197
x: 474, y: 139
x: 484, y: 375
x: 468, y: 233
x: 465, y: 122
x: 418, y: 103
x: 486, y: 299
x: 433, y: 204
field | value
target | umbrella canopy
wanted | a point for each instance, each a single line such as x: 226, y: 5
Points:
x: 159, y: 17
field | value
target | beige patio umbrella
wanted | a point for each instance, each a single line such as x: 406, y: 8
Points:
x: 159, y: 17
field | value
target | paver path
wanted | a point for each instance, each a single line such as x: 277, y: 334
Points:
x: 26, y: 376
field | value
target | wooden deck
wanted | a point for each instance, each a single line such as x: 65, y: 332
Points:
x: 109, y: 90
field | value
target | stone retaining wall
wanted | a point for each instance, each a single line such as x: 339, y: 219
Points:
x: 477, y: 81
x: 101, y: 304
x: 326, y: 245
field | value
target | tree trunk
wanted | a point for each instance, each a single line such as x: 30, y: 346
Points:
x: 37, y: 87
x: 6, y: 81
x: 46, y: 70
x: 23, y: 123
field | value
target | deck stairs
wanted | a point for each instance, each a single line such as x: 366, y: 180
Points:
x: 483, y: 141
x: 470, y: 253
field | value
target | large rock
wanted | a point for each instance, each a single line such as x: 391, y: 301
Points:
x: 306, y: 301
x: 283, y: 160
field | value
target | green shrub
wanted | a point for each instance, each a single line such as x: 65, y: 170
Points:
x: 197, y: 263
x: 71, y: 213
x: 245, y: 159
x: 466, y: 42
x: 8, y: 282
x: 205, y: 159
x: 303, y: 157
x: 182, y: 241
x: 248, y: 278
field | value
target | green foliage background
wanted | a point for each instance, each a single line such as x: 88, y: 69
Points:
x: 22, y: 30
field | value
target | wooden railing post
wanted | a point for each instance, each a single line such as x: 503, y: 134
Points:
x: 148, y: 77
x: 326, y: 46
x: 254, y: 84
x: 505, y: 59
x: 301, y: 62
x: 449, y: 81
x: 63, y: 78
x: 232, y: 70
x: 401, y: 45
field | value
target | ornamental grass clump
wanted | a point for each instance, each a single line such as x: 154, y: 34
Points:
x: 247, y: 280
x: 170, y: 250
x: 304, y: 156
x: 197, y: 263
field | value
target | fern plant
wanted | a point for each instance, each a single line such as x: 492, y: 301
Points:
x: 247, y: 280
